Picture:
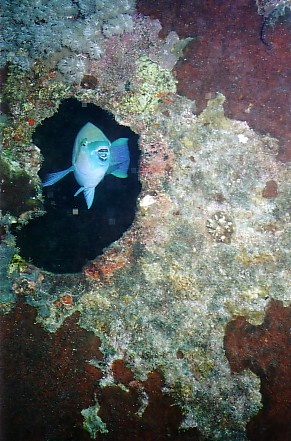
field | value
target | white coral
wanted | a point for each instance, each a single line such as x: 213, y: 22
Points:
x: 73, y: 68
x: 118, y: 25
x: 43, y: 28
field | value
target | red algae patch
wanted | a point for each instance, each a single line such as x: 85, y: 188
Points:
x: 45, y: 375
x: 270, y: 190
x: 104, y: 267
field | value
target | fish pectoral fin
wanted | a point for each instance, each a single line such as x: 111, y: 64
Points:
x: 79, y: 191
x: 52, y: 178
x: 89, y: 195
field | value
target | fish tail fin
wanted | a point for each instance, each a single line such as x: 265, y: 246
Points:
x: 120, y: 158
x: 52, y: 178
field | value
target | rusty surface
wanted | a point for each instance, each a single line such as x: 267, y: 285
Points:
x: 265, y: 349
x: 228, y: 56
x: 46, y: 381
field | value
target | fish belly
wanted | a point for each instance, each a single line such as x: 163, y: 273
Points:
x: 89, y: 179
x: 86, y: 173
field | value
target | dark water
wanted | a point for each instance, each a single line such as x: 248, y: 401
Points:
x: 69, y: 234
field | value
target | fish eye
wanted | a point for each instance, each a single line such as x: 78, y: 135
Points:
x: 84, y: 142
x: 103, y: 153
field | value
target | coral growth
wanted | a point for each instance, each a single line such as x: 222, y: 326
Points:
x: 220, y: 227
x: 34, y: 30
x: 209, y: 242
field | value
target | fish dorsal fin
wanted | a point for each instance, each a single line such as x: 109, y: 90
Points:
x: 119, y: 161
x: 91, y: 133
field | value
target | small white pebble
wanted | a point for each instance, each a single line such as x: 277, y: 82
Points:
x: 146, y: 201
x: 242, y: 138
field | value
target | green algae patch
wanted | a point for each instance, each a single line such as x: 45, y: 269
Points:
x: 7, y: 250
x: 17, y: 264
x: 213, y: 115
x: 92, y: 422
x: 149, y: 87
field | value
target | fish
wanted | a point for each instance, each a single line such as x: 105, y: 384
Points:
x: 94, y: 156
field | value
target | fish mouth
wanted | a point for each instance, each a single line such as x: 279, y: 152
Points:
x: 103, y: 153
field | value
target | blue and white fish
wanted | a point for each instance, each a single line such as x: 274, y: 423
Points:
x: 94, y: 156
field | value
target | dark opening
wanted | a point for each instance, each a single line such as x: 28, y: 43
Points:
x: 69, y: 234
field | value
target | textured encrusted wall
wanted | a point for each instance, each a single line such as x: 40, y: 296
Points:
x: 209, y: 241
x: 61, y: 31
